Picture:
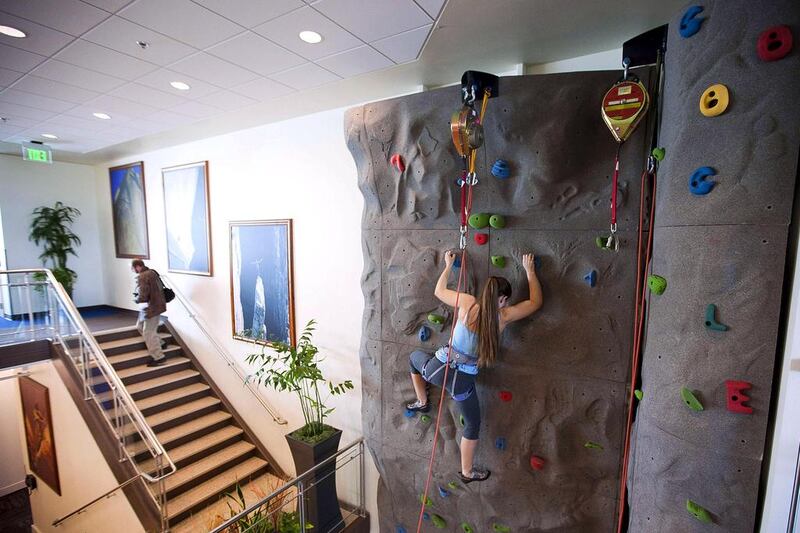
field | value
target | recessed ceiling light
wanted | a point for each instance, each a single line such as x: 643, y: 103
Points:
x: 12, y: 32
x: 180, y: 85
x: 143, y: 44
x: 102, y: 116
x: 310, y: 37
x: 49, y: 136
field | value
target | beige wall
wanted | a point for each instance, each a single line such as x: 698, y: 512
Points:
x: 12, y: 469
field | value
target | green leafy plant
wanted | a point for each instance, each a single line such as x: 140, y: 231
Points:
x: 268, y: 518
x: 51, y: 226
x: 296, y: 369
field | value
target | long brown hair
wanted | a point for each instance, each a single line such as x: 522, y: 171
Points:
x: 487, y: 319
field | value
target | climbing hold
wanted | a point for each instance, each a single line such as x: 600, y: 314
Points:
x: 433, y: 318
x: 479, y: 220
x: 659, y: 153
x: 499, y: 261
x: 711, y: 319
x: 537, y: 262
x: 737, y: 397
x: 690, y: 24
x: 698, y: 511
x: 610, y: 242
x: 591, y: 278
x: 481, y: 239
x: 657, y: 284
x: 774, y: 43
x: 424, y: 333
x: 537, y: 463
x: 409, y: 413
x: 399, y: 529
x: 600, y: 242
x: 426, y: 500
x: 691, y: 400
x: 466, y: 528
x: 397, y: 162
x: 438, y: 521
x: 500, y: 443
x: 639, y: 394
x: 497, y: 221
x: 425, y: 418
x: 457, y: 262
x: 443, y: 493
x: 592, y: 445
x: 452, y: 485
x: 714, y: 100
x: 500, y: 169
x: 500, y: 528
x: 505, y: 395
x: 698, y: 184
x: 461, y: 420
x: 426, y: 516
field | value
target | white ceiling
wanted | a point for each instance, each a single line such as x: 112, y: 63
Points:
x: 246, y: 65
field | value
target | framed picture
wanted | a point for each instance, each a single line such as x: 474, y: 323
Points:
x: 129, y: 210
x: 187, y: 216
x: 262, y: 301
x: 39, y: 431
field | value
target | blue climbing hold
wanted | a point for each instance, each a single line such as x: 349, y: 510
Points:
x: 457, y: 262
x: 399, y: 529
x: 443, y: 493
x: 698, y: 184
x: 690, y: 24
x: 424, y: 333
x: 409, y: 413
x: 591, y: 278
x: 426, y: 516
x: 537, y: 262
x: 500, y: 169
x: 500, y: 443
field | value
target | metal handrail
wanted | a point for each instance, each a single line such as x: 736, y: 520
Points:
x: 790, y: 528
x: 106, y: 494
x: 276, y: 417
x: 120, y: 395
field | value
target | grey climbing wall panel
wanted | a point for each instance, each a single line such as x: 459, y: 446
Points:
x: 566, y: 367
x: 727, y: 248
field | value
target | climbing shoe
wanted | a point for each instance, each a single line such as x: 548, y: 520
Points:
x: 477, y: 475
x: 417, y: 405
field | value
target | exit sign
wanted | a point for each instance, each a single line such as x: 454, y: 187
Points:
x: 37, y: 152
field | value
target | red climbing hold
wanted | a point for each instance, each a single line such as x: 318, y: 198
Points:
x: 481, y: 238
x: 736, y: 397
x: 397, y: 161
x: 537, y: 463
x: 505, y: 395
x: 774, y: 43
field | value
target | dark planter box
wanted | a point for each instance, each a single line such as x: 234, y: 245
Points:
x: 321, y: 501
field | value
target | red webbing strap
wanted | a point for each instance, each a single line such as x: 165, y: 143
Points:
x: 614, y: 183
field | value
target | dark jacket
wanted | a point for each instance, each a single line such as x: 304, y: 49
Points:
x: 150, y: 291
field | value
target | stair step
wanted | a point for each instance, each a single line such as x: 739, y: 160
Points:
x: 138, y: 357
x: 130, y: 343
x: 138, y: 373
x: 172, y: 398
x: 183, y: 433
x: 205, y: 445
x: 174, y: 416
x: 199, y: 471
x: 116, y: 334
x: 197, y: 497
x: 157, y: 385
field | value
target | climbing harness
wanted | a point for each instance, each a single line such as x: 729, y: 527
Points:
x: 466, y: 128
x: 624, y: 107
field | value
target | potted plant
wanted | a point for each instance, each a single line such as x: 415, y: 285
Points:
x: 296, y: 369
x: 52, y: 226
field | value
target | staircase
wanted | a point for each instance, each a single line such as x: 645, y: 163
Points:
x: 211, y: 446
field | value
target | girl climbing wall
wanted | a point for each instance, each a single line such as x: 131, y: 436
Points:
x: 474, y: 345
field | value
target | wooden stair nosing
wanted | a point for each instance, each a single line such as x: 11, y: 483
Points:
x: 129, y: 344
x: 138, y: 357
x: 175, y: 416
x: 183, y: 433
x: 172, y: 398
x: 208, y: 467
x: 210, y: 443
x: 157, y: 385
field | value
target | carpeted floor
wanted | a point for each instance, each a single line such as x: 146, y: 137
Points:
x: 15, y: 512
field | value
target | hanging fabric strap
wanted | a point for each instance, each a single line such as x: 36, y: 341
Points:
x: 614, y: 187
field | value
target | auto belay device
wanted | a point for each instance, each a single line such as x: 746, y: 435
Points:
x: 624, y: 106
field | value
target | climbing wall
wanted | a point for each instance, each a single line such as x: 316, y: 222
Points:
x: 726, y: 247
x: 558, y: 391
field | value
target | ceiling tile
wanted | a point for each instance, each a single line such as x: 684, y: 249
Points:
x: 7, y: 77
x: 55, y: 89
x: 183, y: 20
x: 7, y: 108
x: 256, y: 53
x: 7, y: 130
x: 284, y: 30
x: 432, y: 7
x: 136, y: 92
x: 120, y: 106
x: 170, y: 119
x: 111, y: 6
x: 70, y: 16
x: 404, y: 47
x: 249, y: 13
x: 121, y: 35
x: 18, y: 121
x: 375, y: 19
x: 17, y: 59
x: 161, y: 79
x: 196, y: 110
x: 305, y: 77
x: 101, y: 59
x: 263, y: 89
x: 227, y: 100
x: 40, y: 39
x: 64, y: 133
x: 90, y: 124
x: 356, y: 61
x: 44, y: 103
x: 213, y: 70
x: 77, y: 76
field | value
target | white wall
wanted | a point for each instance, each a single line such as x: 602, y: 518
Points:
x: 12, y: 468
x: 607, y: 60
x: 26, y: 185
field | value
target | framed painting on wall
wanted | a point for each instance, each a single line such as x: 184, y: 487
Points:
x: 187, y: 216
x: 39, y: 431
x: 129, y: 210
x: 262, y: 301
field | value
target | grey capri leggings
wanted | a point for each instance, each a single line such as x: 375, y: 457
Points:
x: 425, y: 364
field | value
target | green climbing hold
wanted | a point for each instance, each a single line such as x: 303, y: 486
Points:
x: 452, y: 485
x: 438, y: 521
x: 425, y: 418
x: 639, y: 394
x: 499, y: 261
x: 711, y: 319
x: 691, y: 400
x: 600, y: 242
x: 479, y: 220
x: 659, y: 153
x: 698, y: 511
x: 592, y: 445
x: 426, y: 500
x: 497, y: 221
x: 433, y: 318
x: 657, y: 284
x: 500, y: 528
x: 461, y: 420
x: 466, y: 528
